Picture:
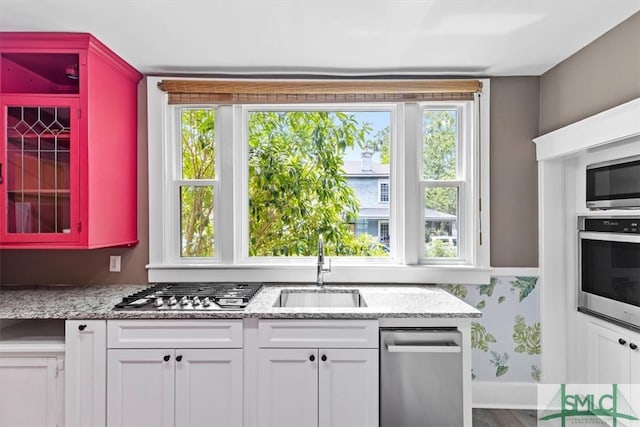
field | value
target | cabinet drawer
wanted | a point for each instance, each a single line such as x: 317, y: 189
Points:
x: 174, y: 333
x: 318, y: 333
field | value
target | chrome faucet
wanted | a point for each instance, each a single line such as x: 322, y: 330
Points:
x: 321, y: 268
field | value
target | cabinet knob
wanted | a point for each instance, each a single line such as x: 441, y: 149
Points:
x: 82, y: 327
x: 621, y: 341
x: 312, y: 358
x: 633, y: 346
x: 324, y: 358
x: 166, y: 358
x: 179, y: 358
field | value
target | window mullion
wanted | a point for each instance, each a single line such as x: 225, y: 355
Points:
x: 412, y: 167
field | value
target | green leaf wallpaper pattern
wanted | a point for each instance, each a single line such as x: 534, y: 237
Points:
x: 535, y: 373
x: 500, y: 363
x: 505, y: 347
x: 488, y: 289
x: 458, y: 290
x: 480, y: 338
x: 526, y: 338
x: 524, y: 285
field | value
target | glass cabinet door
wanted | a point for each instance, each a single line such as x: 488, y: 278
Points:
x: 38, y: 170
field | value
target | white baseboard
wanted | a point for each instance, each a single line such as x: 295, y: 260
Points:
x: 504, y: 395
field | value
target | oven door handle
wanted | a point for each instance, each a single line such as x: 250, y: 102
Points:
x: 609, y: 237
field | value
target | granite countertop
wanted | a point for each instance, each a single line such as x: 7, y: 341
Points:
x: 96, y: 302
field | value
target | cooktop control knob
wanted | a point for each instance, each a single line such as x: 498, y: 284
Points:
x: 196, y: 301
x: 172, y: 301
x: 206, y: 302
x: 158, y: 302
x: 184, y: 301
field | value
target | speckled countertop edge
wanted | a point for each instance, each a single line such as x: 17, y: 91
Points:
x: 96, y: 302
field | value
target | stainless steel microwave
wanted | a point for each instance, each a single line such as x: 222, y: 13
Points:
x: 609, y: 268
x: 614, y: 184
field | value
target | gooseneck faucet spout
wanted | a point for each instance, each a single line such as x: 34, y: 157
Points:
x: 321, y: 267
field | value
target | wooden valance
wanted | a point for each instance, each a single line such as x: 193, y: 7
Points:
x: 252, y: 91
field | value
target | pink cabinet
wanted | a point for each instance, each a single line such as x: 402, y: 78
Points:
x: 68, y: 143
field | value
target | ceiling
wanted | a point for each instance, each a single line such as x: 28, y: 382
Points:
x: 346, y: 37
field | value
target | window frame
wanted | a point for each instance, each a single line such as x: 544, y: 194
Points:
x: 175, y: 182
x: 464, y: 182
x: 230, y: 264
x: 241, y: 153
x: 381, y: 182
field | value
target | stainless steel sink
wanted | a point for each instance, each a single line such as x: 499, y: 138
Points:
x: 348, y: 298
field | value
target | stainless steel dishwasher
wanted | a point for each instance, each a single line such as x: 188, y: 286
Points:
x: 420, y: 377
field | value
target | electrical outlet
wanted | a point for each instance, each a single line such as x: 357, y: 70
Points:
x: 114, y: 263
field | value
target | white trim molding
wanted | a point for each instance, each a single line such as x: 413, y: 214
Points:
x: 621, y: 123
x: 504, y: 395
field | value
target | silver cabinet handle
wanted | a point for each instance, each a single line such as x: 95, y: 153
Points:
x: 423, y: 349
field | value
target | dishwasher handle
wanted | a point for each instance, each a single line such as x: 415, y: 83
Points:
x: 423, y: 349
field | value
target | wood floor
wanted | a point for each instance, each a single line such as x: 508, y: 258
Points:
x: 504, y: 418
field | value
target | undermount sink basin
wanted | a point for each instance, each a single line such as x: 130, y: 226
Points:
x: 320, y: 298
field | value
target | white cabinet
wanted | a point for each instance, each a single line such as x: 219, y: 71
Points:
x: 31, y: 373
x: 288, y: 387
x: 348, y: 387
x: 180, y: 386
x: 85, y: 391
x: 31, y: 390
x: 302, y: 384
x: 612, y: 352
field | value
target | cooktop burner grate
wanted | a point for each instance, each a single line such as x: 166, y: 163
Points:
x: 191, y: 296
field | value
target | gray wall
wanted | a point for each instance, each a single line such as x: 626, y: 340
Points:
x: 514, y: 182
x: 602, y: 75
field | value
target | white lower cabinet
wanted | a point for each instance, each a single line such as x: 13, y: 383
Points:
x: 315, y: 386
x: 348, y: 388
x: 613, y: 353
x: 86, y: 371
x: 31, y: 391
x: 166, y: 387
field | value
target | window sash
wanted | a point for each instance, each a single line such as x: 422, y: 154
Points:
x: 241, y: 177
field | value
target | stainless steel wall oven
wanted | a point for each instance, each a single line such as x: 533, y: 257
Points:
x: 609, y: 268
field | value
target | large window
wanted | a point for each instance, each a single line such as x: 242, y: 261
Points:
x: 389, y: 184
x: 315, y: 173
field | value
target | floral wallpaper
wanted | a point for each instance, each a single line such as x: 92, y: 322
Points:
x: 506, y: 340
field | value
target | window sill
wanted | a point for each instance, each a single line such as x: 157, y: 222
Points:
x: 455, y: 274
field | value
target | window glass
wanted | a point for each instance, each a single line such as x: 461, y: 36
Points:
x: 197, y: 192
x: 196, y: 221
x: 441, y: 222
x: 440, y: 144
x: 440, y: 163
x: 384, y: 192
x: 198, y: 143
x: 316, y: 173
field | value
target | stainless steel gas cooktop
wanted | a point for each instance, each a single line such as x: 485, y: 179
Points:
x: 191, y: 296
